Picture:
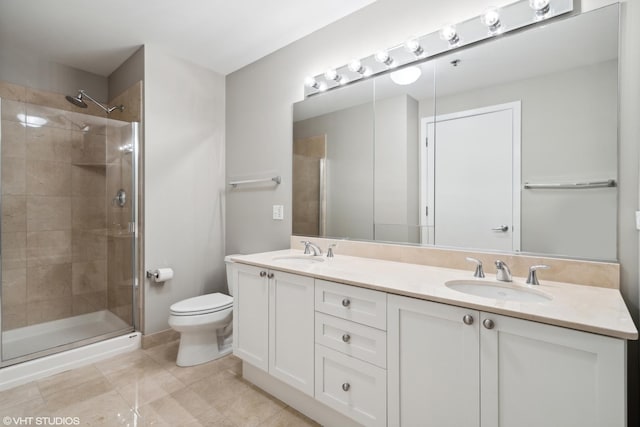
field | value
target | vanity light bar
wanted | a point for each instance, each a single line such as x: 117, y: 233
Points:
x: 494, y: 21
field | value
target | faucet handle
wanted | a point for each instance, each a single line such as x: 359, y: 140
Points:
x: 479, y: 271
x: 532, y: 279
x: 307, y: 244
x: 330, y: 250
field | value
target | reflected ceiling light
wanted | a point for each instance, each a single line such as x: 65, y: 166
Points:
x: 541, y: 7
x: 357, y: 67
x: 406, y: 76
x: 413, y: 46
x: 491, y: 18
x: 332, y: 74
x: 450, y: 34
x: 31, y: 121
x: 383, y: 57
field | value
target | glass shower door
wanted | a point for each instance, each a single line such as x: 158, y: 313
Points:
x: 68, y: 229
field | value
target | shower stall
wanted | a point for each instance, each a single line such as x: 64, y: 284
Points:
x: 68, y: 229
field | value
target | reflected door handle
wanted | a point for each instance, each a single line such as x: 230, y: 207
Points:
x: 503, y: 228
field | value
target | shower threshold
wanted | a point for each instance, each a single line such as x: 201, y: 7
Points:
x: 27, y: 340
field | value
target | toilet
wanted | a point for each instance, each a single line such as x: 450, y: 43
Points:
x: 204, y: 324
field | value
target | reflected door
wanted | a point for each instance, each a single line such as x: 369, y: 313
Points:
x: 476, y: 158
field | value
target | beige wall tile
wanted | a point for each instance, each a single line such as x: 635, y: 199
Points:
x: 14, y: 316
x: 48, y: 247
x: 132, y: 101
x: 58, y: 102
x: 46, y: 178
x: 14, y: 250
x: 89, y: 303
x: 14, y: 213
x: 14, y: 287
x: 88, y: 213
x: 12, y: 92
x: 48, y: 213
x: 160, y: 338
x: 13, y: 139
x: 49, y: 282
x: 47, y: 310
x: 88, y: 148
x: 11, y: 109
x: 47, y: 143
x: 88, y: 181
x: 14, y: 175
x: 89, y: 277
x: 89, y: 245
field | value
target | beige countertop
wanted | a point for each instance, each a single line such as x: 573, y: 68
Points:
x: 585, y: 308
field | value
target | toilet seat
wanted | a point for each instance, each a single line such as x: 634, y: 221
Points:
x: 204, y: 304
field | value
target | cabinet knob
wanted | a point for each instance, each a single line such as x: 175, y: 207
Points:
x: 270, y: 275
x: 346, y: 338
x: 263, y: 273
x: 488, y: 323
x: 467, y: 319
x: 346, y: 386
x: 346, y: 302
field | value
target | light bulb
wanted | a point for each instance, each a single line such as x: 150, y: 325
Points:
x: 322, y: 87
x: 383, y: 57
x: 449, y: 34
x: 331, y: 74
x: 540, y: 6
x: 356, y: 66
x: 311, y: 82
x: 413, y: 46
x: 491, y: 18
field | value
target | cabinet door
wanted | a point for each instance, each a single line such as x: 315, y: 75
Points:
x: 540, y: 375
x: 433, y: 365
x: 291, y: 343
x: 251, y: 315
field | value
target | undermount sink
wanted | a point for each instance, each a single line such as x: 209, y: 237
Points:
x: 497, y: 290
x: 298, y: 259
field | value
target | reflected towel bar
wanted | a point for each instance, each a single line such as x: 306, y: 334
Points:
x: 275, y: 179
x: 595, y: 184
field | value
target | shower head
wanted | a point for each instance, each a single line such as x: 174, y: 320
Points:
x: 78, y: 101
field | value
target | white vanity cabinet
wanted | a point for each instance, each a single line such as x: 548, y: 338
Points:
x: 451, y: 366
x: 273, y: 324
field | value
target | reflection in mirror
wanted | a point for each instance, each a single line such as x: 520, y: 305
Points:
x: 333, y: 164
x: 447, y: 157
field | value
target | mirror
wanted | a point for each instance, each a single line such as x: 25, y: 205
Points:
x: 493, y: 147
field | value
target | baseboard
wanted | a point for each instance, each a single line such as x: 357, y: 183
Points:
x: 159, y: 338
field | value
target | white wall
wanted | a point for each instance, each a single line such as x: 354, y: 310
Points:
x: 184, y: 182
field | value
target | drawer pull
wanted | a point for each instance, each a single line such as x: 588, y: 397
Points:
x: 346, y: 387
x: 488, y: 323
x: 263, y: 273
x: 346, y: 302
x: 467, y: 319
x: 270, y: 275
x: 346, y: 338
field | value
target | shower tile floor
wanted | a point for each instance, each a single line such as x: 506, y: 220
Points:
x: 146, y: 388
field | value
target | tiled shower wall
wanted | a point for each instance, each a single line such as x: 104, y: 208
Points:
x: 62, y: 239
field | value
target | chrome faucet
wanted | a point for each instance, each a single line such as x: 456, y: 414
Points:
x: 502, y: 272
x: 532, y: 279
x: 308, y: 246
x: 479, y: 271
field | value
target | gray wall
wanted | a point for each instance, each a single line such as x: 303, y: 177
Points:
x: 126, y: 75
x: 184, y: 182
x: 349, y: 168
x: 25, y: 68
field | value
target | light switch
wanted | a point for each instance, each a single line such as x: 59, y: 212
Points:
x: 278, y: 212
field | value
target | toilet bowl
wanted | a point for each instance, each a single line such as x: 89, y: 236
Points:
x: 204, y: 323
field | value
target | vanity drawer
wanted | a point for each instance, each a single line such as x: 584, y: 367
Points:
x: 354, y: 388
x: 363, y: 342
x: 352, y: 303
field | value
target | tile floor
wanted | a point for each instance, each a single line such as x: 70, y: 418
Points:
x: 146, y: 388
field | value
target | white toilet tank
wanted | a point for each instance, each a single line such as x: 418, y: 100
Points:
x: 230, y: 275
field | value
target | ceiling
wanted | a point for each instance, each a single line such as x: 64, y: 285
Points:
x: 98, y: 36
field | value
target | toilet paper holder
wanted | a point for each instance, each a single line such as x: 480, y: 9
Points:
x: 152, y: 274
x: 160, y: 275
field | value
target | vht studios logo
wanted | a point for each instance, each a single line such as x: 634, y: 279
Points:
x: 41, y: 421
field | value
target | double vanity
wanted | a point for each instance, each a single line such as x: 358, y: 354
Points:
x: 390, y: 343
